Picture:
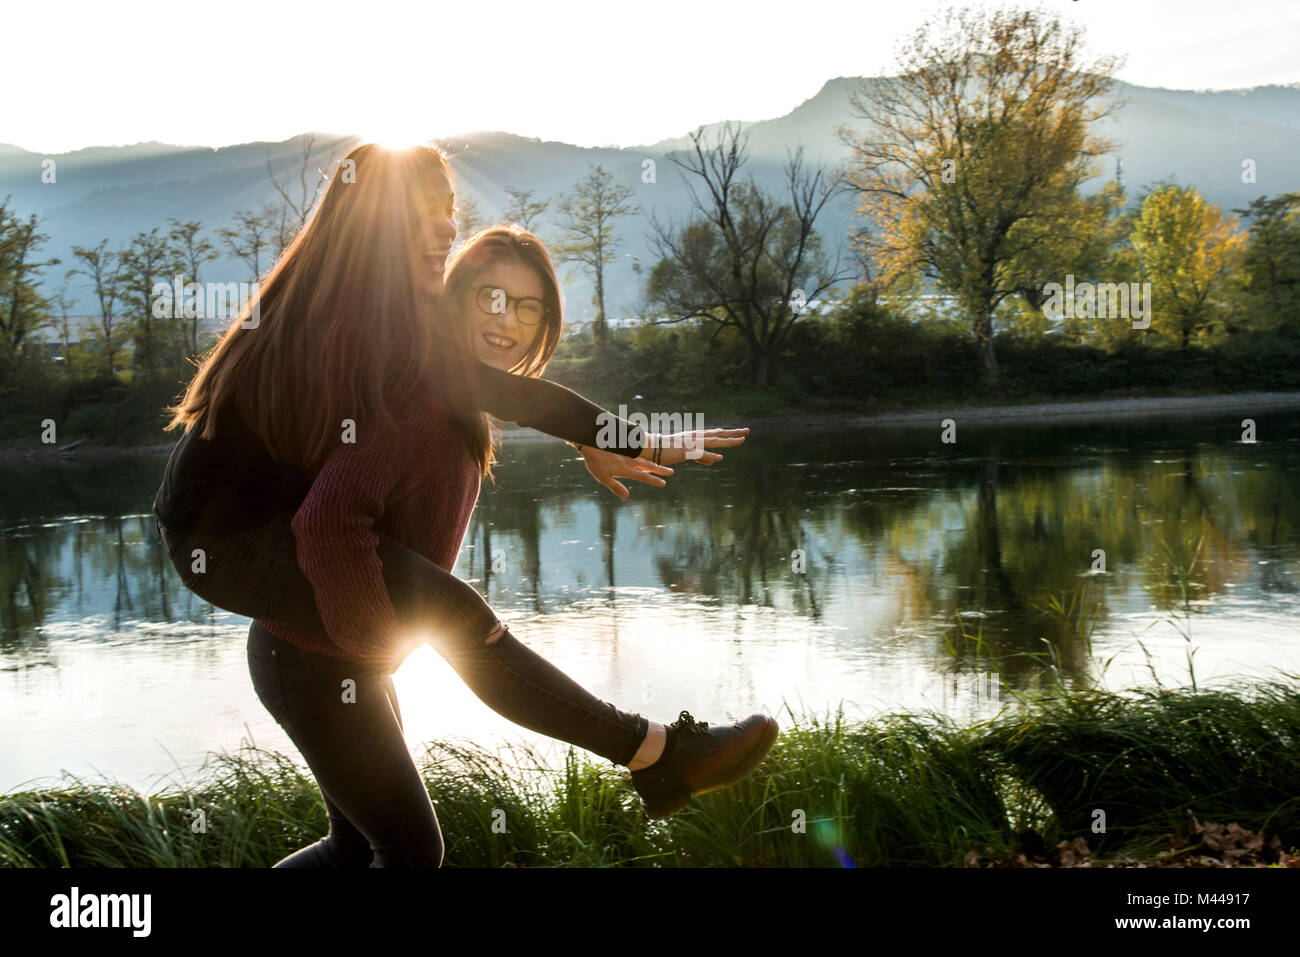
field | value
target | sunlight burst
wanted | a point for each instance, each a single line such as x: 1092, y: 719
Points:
x: 398, y: 131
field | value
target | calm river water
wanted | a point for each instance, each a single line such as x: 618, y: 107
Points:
x: 804, y: 572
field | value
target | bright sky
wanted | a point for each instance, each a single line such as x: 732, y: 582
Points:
x: 589, y: 72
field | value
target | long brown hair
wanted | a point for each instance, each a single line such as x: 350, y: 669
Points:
x: 340, y: 332
x: 490, y: 246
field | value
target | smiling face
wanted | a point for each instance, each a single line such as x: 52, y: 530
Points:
x: 499, y: 338
x: 436, y: 224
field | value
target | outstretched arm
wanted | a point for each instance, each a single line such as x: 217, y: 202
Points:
x: 551, y: 408
x: 607, y: 468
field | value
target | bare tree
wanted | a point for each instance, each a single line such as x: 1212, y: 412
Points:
x: 287, y: 218
x: 63, y: 324
x: 22, y: 308
x: 250, y: 239
x: 281, y: 227
x: 145, y: 263
x: 104, y: 270
x: 587, y: 215
x: 192, y: 253
x: 301, y: 207
x: 748, y: 260
x: 522, y: 210
x: 469, y: 218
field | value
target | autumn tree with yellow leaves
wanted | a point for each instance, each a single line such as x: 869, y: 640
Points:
x: 974, y: 153
x: 1189, y: 251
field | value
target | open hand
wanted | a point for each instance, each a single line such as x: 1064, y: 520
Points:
x: 692, y: 446
x: 608, y: 467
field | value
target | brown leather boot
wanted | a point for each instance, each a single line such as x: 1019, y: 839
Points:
x: 698, y: 759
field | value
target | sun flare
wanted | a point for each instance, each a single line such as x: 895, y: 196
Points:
x: 397, y: 132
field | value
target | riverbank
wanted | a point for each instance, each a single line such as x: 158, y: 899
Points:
x: 1126, y: 409
x: 1181, y: 778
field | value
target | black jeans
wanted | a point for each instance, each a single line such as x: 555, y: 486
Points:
x: 379, y: 810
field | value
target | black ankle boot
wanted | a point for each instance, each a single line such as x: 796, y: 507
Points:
x: 698, y: 759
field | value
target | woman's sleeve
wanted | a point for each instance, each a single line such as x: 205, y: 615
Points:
x: 337, y: 543
x: 551, y: 408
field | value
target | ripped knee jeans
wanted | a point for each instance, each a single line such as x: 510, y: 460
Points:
x: 260, y: 578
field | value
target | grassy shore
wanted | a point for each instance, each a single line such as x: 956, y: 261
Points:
x: 1184, y: 777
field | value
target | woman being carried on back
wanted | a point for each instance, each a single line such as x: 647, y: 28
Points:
x: 328, y: 494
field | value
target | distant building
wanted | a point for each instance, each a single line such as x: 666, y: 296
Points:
x: 48, y: 341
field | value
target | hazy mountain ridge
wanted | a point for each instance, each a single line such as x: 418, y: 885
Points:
x: 1197, y: 138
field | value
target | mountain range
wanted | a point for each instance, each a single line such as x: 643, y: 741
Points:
x: 1199, y: 138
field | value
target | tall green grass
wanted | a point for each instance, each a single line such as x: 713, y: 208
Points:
x: 900, y: 791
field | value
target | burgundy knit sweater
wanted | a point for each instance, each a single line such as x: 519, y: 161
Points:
x: 338, y: 525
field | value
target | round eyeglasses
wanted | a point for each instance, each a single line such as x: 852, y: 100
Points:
x: 529, y: 310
